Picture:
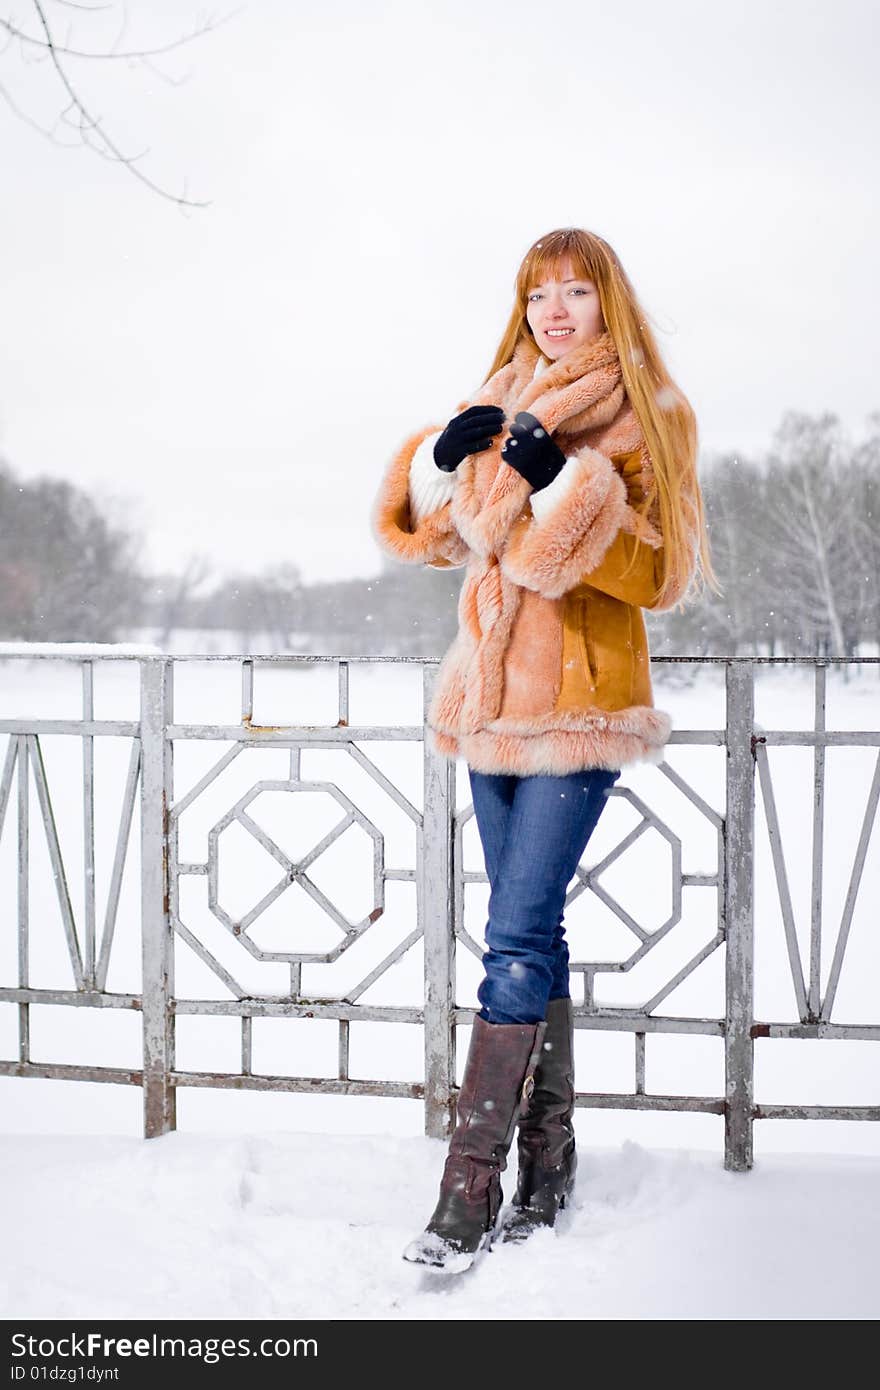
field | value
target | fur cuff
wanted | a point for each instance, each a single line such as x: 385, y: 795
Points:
x: 486, y: 524
x: 433, y: 539
x: 571, y: 531
x: 546, y: 498
x: 429, y: 486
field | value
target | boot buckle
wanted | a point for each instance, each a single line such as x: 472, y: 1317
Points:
x: 527, y: 1092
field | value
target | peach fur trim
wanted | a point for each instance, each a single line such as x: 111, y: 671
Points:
x: 553, y: 554
x: 433, y: 537
x: 491, y: 494
x: 470, y: 679
x: 612, y: 740
x: 429, y: 486
x: 511, y: 545
x: 608, y: 425
x: 581, y: 392
x: 488, y: 605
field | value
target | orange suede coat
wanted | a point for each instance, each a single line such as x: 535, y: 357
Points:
x: 549, y: 671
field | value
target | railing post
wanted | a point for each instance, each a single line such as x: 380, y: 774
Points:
x: 160, y: 1111
x: 739, y: 853
x: 434, y: 870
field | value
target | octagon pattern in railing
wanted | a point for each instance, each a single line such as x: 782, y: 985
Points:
x: 247, y: 871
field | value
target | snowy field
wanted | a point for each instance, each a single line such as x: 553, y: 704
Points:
x: 284, y: 1205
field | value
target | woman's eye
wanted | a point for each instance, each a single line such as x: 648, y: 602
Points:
x: 537, y: 294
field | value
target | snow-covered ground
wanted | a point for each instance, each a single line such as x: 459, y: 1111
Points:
x: 312, y: 1226
x: 286, y: 1205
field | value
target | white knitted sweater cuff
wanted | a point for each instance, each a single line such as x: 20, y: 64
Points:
x: 429, y: 486
x: 546, y: 498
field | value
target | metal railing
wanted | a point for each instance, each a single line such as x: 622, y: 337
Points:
x: 149, y: 792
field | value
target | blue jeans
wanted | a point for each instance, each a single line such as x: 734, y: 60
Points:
x: 533, y: 830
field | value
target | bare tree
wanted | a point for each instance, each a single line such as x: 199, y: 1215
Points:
x: 67, y: 573
x: 174, y: 594
x: 735, y: 491
x: 864, y: 522
x: 795, y: 538
x: 270, y: 604
x: 42, y: 43
x: 807, y: 488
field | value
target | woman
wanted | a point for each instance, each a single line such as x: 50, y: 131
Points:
x: 568, y: 487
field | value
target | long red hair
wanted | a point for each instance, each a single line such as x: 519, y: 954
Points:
x: 663, y: 411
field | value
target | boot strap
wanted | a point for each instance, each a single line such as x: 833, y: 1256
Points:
x: 528, y: 1085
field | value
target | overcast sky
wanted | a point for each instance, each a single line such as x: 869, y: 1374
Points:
x: 234, y: 379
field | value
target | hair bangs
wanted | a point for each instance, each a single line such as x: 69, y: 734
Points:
x: 546, y: 259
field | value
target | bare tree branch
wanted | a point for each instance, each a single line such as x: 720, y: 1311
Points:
x: 89, y: 9
x: 29, y: 120
x: 115, y: 54
x: 75, y: 115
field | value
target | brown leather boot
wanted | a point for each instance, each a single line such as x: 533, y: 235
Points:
x: 546, y: 1144
x: 497, y: 1085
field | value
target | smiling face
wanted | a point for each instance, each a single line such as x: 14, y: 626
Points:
x: 564, y: 313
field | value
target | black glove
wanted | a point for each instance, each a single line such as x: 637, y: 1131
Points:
x: 532, y: 452
x: 468, y: 433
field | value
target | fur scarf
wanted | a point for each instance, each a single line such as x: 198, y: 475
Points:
x: 549, y: 670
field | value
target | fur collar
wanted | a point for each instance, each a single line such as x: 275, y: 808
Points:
x: 580, y: 399
x: 580, y: 390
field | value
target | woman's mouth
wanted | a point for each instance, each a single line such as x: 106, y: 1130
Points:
x: 558, y: 332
